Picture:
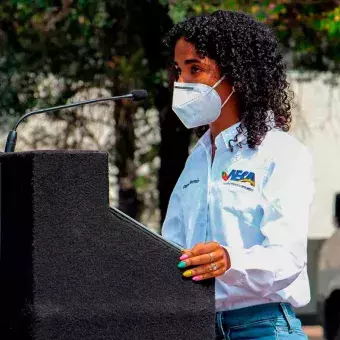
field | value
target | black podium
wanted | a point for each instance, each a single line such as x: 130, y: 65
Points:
x: 73, y: 268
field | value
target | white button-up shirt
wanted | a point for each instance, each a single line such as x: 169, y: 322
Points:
x: 255, y: 203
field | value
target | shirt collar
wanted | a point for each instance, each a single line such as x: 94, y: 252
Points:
x: 222, y: 138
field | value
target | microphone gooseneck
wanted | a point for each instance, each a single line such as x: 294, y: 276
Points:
x: 11, y: 141
x: 135, y: 95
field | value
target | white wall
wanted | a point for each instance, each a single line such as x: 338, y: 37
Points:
x: 317, y: 124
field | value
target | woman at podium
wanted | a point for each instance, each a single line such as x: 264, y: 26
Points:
x: 240, y: 208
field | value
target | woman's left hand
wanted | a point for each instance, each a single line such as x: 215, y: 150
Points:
x: 209, y: 260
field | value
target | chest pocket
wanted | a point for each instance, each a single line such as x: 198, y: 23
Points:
x: 241, y: 202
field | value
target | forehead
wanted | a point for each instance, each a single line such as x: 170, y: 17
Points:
x: 185, y: 54
x: 185, y: 50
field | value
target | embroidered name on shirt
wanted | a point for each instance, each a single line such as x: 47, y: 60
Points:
x: 191, y: 182
x: 239, y: 177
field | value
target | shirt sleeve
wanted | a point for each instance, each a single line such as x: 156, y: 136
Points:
x: 173, y: 226
x: 279, y: 260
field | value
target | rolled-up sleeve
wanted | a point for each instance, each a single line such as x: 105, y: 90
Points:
x: 279, y: 260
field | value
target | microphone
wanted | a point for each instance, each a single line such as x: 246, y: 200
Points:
x: 138, y: 95
x: 135, y: 95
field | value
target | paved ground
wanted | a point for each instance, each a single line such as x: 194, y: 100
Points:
x: 313, y: 332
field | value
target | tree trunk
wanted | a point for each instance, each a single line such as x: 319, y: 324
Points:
x: 125, y: 147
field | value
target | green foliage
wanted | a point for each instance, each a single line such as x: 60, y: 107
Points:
x: 330, y: 23
x: 98, y: 42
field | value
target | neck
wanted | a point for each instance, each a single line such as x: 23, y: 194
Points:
x: 228, y: 117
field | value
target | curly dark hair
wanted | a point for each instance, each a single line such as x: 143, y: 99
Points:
x: 247, y: 52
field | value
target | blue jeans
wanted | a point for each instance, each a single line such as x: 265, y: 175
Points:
x: 265, y: 322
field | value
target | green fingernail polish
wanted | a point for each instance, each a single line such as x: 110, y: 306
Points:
x: 182, y: 264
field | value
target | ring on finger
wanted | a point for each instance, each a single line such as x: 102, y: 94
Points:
x: 213, y: 267
x: 211, y: 257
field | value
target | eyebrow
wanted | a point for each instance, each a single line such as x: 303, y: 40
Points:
x: 189, y: 61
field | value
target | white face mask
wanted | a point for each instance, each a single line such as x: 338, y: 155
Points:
x: 197, y: 104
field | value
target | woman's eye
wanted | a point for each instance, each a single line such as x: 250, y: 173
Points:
x: 195, y: 69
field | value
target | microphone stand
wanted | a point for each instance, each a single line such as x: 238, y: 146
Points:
x: 12, y: 136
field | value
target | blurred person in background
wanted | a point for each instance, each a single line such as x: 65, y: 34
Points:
x: 240, y: 208
x: 328, y: 283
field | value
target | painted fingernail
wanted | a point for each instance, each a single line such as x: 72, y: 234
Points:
x: 183, y: 257
x: 182, y: 264
x: 187, y: 273
x: 196, y: 278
